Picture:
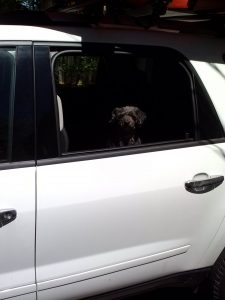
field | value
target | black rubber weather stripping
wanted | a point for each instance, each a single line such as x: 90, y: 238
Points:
x: 46, y: 130
x: 16, y: 165
x: 23, y: 125
x: 108, y: 153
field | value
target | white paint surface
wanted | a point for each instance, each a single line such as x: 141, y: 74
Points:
x: 17, y: 191
x: 101, y: 216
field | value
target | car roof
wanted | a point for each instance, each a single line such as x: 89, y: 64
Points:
x: 207, y: 48
x: 34, y: 33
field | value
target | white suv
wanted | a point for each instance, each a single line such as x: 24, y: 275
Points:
x: 112, y: 161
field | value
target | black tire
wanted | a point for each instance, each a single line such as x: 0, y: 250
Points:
x: 218, y: 278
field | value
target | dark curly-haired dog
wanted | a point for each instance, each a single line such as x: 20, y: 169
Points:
x: 125, y: 124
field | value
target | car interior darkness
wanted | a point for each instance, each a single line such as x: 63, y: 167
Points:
x: 92, y: 86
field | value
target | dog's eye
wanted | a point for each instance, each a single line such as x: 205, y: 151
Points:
x: 133, y: 116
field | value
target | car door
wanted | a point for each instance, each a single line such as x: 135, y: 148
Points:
x: 110, y: 215
x: 17, y: 175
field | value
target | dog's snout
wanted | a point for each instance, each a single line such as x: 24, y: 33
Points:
x: 127, y: 121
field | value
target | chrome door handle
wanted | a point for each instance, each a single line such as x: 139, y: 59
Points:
x: 7, y: 216
x: 205, y: 185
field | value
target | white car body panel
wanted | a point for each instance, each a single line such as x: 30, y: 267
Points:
x: 125, y: 264
x: 31, y: 33
x: 31, y: 296
x: 109, y: 223
x: 213, y: 77
x: 17, y: 271
x: 111, y: 214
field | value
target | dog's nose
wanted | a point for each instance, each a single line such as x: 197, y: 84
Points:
x: 127, y: 122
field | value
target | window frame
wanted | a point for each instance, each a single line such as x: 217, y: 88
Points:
x: 25, y: 99
x: 23, y: 63
x: 45, y: 105
x: 11, y: 100
x: 91, y: 49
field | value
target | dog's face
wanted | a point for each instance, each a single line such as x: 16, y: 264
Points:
x: 128, y: 118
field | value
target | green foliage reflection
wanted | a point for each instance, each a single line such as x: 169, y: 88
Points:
x: 74, y: 70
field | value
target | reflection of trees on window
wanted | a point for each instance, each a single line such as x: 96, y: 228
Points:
x: 11, y: 5
x: 76, y: 70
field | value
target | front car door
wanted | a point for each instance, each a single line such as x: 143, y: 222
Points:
x: 17, y: 173
x: 119, y: 205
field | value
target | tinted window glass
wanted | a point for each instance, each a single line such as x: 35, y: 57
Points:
x: 7, y: 83
x: 122, y: 100
x: 23, y: 108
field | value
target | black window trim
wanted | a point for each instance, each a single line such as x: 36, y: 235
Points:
x: 44, y: 102
x: 17, y: 165
x: 53, y: 59
x: 11, y: 108
x: 185, y: 66
x: 24, y: 98
x: 15, y: 43
x: 101, y: 154
x: 9, y: 162
x: 8, y: 158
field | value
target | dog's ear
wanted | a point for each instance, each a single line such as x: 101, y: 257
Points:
x: 141, y: 116
x: 115, y: 113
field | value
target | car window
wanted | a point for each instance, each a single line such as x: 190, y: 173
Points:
x: 7, y: 85
x: 123, y: 99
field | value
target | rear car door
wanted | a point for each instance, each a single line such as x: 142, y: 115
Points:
x: 123, y: 198
x: 17, y: 173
